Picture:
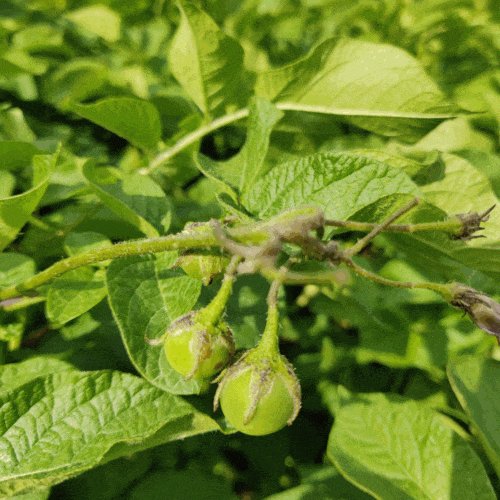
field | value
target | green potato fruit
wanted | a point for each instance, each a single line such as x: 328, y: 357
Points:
x: 259, y: 395
x: 197, y: 350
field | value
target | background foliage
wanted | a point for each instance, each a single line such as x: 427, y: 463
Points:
x: 352, y: 106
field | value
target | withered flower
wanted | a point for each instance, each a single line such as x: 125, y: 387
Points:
x: 483, y: 310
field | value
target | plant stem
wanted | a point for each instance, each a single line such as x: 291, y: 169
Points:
x: 17, y: 303
x: 125, y: 249
x: 269, y: 342
x: 451, y: 225
x: 445, y: 290
x: 213, y: 311
x: 363, y: 242
x: 300, y: 278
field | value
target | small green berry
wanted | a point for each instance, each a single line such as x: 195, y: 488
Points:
x: 196, y: 349
x: 259, y: 394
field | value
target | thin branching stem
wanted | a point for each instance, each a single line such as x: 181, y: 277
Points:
x: 363, y: 242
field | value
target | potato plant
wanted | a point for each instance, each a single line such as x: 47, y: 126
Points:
x: 249, y: 249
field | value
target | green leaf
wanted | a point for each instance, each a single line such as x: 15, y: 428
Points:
x: 66, y: 181
x: 99, y: 20
x: 39, y: 494
x: 7, y: 183
x: 145, y: 295
x: 73, y: 419
x: 206, y: 62
x: 133, y: 197
x: 377, y: 87
x: 16, y: 210
x: 404, y: 451
x: 73, y: 294
x: 135, y: 120
x: 14, y: 268
x: 86, y: 241
x: 453, y: 136
x: 14, y: 375
x: 487, y: 163
x: 340, y: 183
x: 74, y: 81
x: 476, y: 383
x: 242, y: 170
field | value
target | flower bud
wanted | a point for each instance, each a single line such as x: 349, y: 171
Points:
x: 204, y: 267
x: 483, y: 310
x: 259, y: 394
x: 196, y: 349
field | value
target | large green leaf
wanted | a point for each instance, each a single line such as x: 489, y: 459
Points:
x: 404, y: 450
x: 73, y: 294
x: 16, y: 210
x: 135, y: 120
x: 63, y: 424
x: 207, y: 62
x: 340, y: 183
x: 133, y: 197
x: 145, y: 296
x: 476, y: 383
x: 375, y: 86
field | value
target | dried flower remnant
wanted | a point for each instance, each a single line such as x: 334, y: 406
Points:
x: 483, y: 310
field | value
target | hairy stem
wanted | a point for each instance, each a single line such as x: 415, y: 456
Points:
x: 125, y: 249
x: 213, y: 311
x: 451, y: 225
x: 193, y: 137
x: 445, y: 290
x: 269, y: 342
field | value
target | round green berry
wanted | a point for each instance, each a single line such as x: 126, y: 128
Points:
x: 259, y: 396
x: 196, y: 350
